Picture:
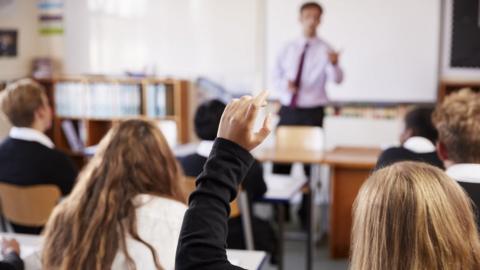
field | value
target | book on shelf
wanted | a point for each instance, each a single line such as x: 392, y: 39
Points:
x: 73, y: 138
x: 97, y: 100
x: 159, y: 100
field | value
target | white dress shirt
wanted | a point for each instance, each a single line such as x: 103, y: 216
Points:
x: 419, y: 145
x: 465, y: 172
x: 31, y: 135
x: 204, y: 148
x: 317, y: 70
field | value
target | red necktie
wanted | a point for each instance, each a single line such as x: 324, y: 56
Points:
x: 298, y: 78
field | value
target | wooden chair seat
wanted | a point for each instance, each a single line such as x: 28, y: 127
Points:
x: 28, y: 205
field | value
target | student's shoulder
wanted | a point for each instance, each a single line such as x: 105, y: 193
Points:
x: 395, y: 151
x: 192, y: 164
x: 159, y: 208
x: 392, y: 155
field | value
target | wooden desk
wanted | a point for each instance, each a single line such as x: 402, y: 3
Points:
x: 350, y: 167
x: 290, y: 156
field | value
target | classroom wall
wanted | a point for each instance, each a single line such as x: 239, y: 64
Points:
x: 23, y: 17
x: 181, y: 38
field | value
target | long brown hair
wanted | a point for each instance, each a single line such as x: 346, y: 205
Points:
x: 91, y: 225
x: 412, y: 216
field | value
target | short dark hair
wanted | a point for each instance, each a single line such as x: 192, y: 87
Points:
x: 419, y: 121
x: 207, y: 119
x: 308, y: 5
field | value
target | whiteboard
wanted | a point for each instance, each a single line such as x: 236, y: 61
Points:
x: 178, y: 38
x: 390, y: 47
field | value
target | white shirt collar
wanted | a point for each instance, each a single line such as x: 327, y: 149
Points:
x: 466, y: 172
x: 419, y: 145
x: 204, y: 148
x: 32, y: 135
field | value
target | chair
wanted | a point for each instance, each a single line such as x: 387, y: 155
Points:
x: 238, y: 207
x: 299, y: 138
x: 29, y: 206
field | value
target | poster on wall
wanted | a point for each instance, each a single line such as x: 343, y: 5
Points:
x: 50, y: 17
x: 8, y: 43
x: 461, y: 41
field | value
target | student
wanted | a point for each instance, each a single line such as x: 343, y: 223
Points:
x: 457, y: 120
x: 202, y: 241
x: 27, y: 156
x: 411, y: 216
x: 11, y: 255
x: 417, y: 141
x: 126, y: 210
x: 206, y: 121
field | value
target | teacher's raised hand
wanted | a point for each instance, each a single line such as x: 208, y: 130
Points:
x: 238, y: 119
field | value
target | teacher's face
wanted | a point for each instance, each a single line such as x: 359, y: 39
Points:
x: 310, y: 19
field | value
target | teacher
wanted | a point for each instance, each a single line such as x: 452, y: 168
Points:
x: 302, y: 70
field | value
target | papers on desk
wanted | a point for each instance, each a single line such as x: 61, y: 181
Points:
x: 248, y: 259
x: 283, y: 187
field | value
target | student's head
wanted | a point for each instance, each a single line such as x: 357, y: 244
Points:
x: 207, y: 119
x: 310, y: 16
x: 418, y: 122
x: 88, y: 228
x: 457, y: 120
x: 25, y: 104
x: 413, y: 216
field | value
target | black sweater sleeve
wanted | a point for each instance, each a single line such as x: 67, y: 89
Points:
x: 254, y: 183
x: 202, y: 242
x: 11, y: 261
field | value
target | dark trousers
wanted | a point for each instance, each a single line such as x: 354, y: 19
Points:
x: 299, y: 117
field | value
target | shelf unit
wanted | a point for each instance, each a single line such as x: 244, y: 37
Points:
x: 450, y: 86
x: 177, y: 109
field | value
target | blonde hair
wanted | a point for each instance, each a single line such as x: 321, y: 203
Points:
x: 412, y: 216
x: 89, y: 228
x: 457, y: 120
x: 20, y: 100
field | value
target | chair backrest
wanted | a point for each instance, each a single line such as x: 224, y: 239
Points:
x: 189, y: 186
x: 299, y: 138
x: 28, y: 205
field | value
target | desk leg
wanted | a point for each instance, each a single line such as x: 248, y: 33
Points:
x: 311, y: 220
x: 281, y: 238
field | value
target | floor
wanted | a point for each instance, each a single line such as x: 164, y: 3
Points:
x: 295, y: 258
x: 295, y: 250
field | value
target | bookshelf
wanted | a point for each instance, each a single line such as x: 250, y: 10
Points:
x: 449, y: 86
x: 91, y: 105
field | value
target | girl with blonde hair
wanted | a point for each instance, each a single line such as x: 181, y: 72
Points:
x: 412, y: 216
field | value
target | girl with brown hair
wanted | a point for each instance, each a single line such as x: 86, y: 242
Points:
x: 126, y: 209
x: 412, y: 216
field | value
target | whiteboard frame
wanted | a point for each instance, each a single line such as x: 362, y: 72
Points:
x: 448, y: 72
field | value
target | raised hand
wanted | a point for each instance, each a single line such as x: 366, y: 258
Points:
x: 238, y: 119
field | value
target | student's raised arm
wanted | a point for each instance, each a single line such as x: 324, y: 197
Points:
x: 202, y: 242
